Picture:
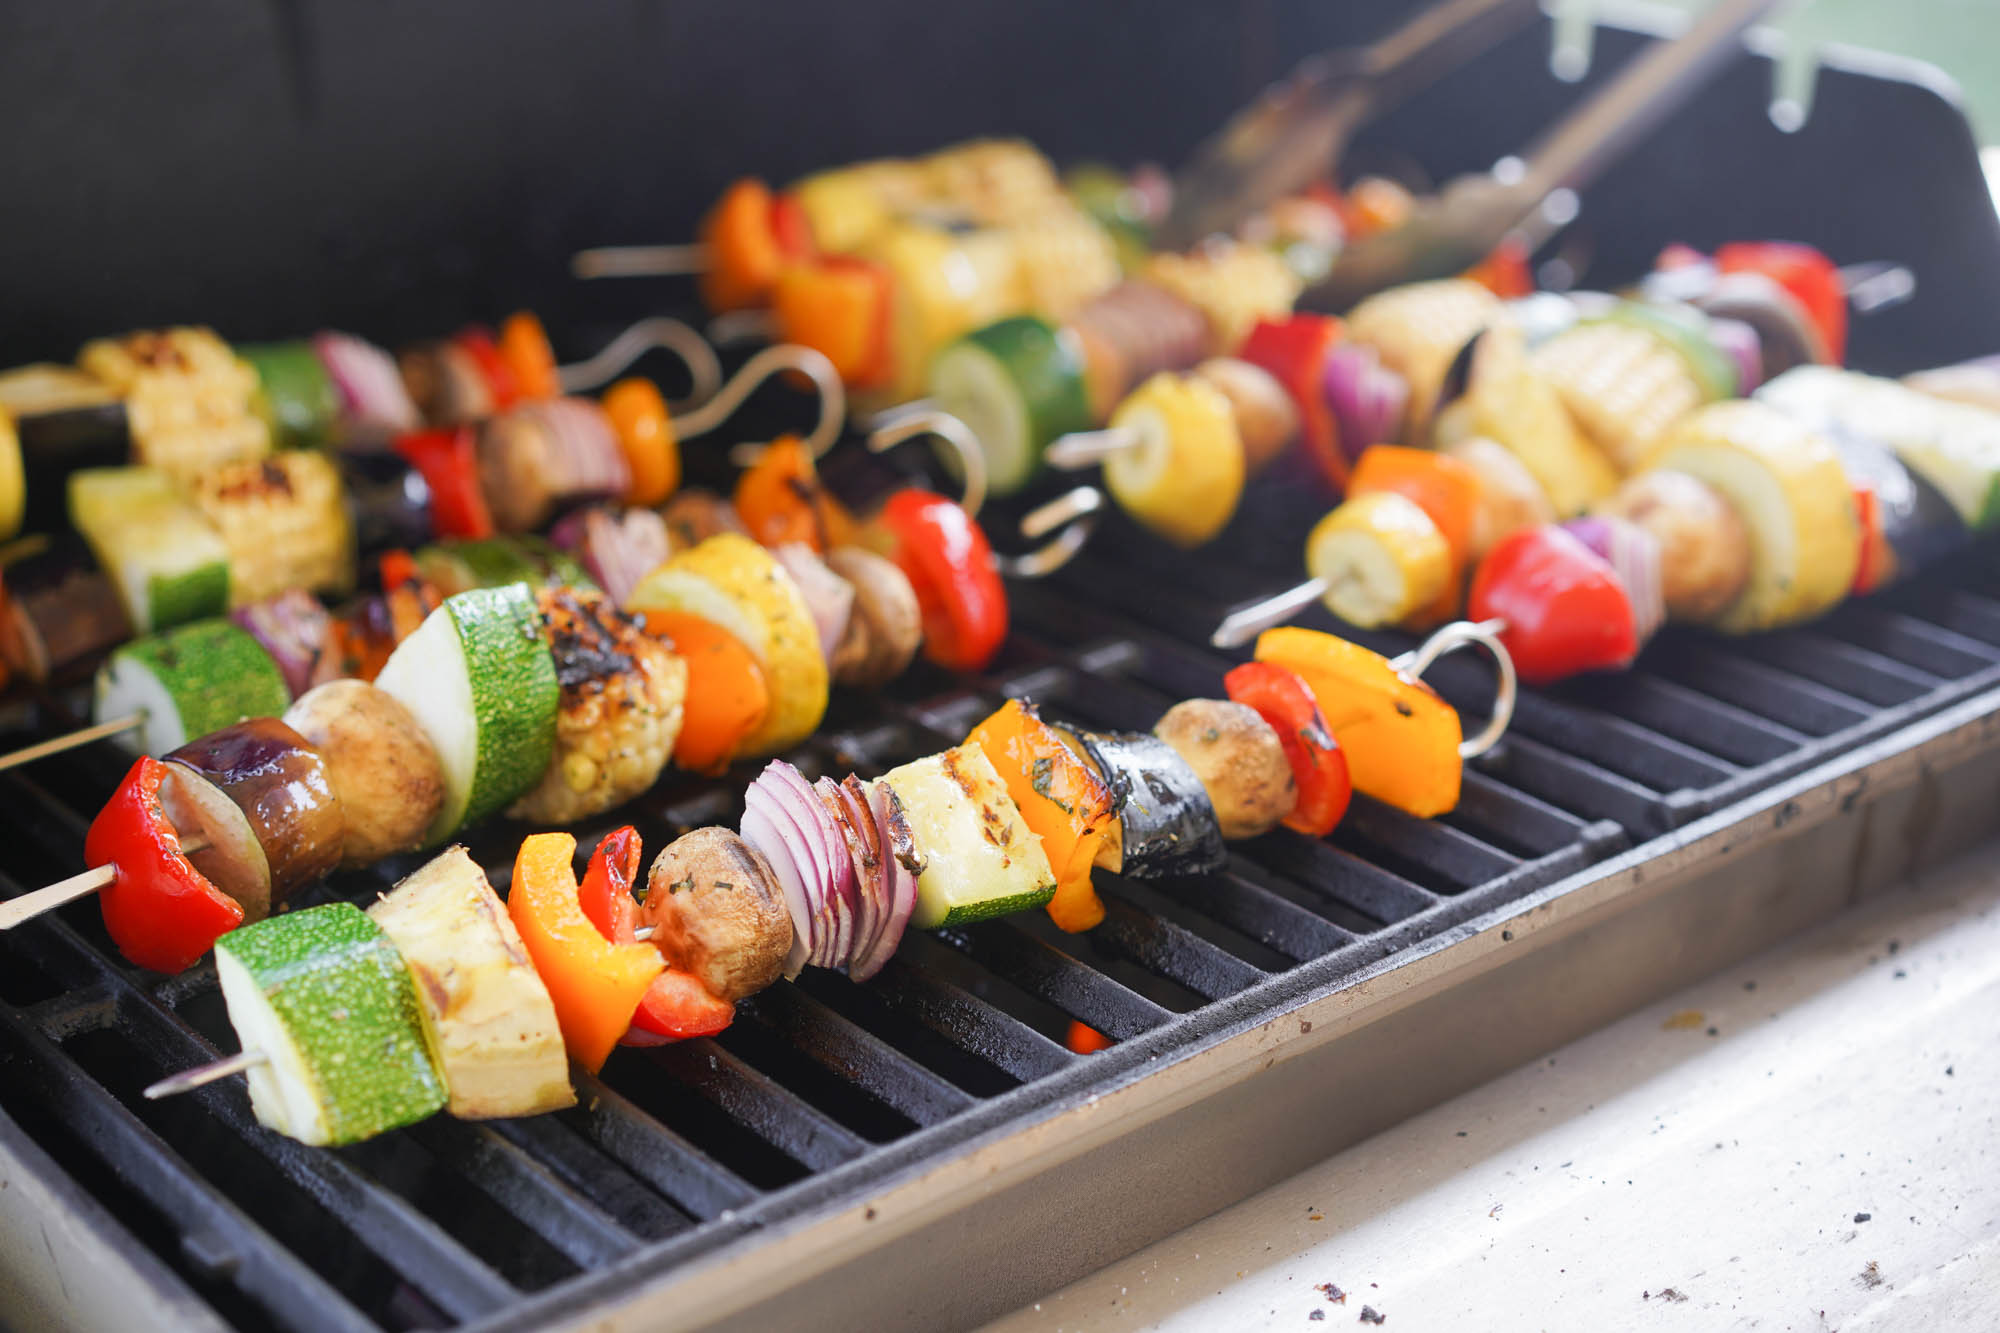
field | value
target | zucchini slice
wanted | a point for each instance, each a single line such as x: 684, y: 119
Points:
x: 188, y: 682
x: 1788, y: 485
x: 328, y: 1000
x: 980, y: 860
x: 487, y: 1015
x: 478, y: 676
x: 168, y: 561
x: 1017, y: 385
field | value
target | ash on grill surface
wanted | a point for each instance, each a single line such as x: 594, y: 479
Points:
x: 823, y: 1085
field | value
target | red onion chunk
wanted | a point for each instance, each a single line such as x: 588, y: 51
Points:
x: 371, y: 389
x: 900, y: 866
x: 615, y: 549
x: 292, y: 627
x: 1738, y: 341
x: 859, y: 885
x: 871, y: 899
x: 1366, y: 396
x: 584, y: 448
x: 817, y: 850
x: 1634, y: 556
x: 829, y: 597
x: 763, y: 833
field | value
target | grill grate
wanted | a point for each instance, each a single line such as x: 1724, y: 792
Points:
x: 824, y: 1086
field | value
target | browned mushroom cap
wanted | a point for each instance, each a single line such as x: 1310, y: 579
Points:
x: 716, y: 911
x: 1239, y: 760
x: 885, y: 612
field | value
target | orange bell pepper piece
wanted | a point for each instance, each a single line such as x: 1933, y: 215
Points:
x: 524, y: 346
x: 1065, y: 804
x: 727, y: 695
x: 1444, y: 488
x: 1400, y: 739
x: 780, y: 499
x: 839, y: 306
x: 596, y: 985
x: 646, y: 438
x: 744, y: 255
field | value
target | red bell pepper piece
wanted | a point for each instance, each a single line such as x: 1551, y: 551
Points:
x: 792, y: 229
x: 478, y: 344
x: 950, y: 567
x: 1808, y: 275
x: 162, y: 913
x: 1505, y: 272
x: 676, y: 1006
x: 1319, y: 768
x: 1294, y: 351
x: 450, y: 469
x: 1565, y: 610
x: 1878, y: 558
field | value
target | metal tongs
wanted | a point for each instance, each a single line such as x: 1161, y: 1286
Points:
x: 1286, y: 140
x: 1296, y: 130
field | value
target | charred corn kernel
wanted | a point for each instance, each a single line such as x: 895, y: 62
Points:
x: 190, y: 401
x: 1184, y: 474
x: 284, y: 522
x: 1065, y: 259
x: 944, y: 284
x: 1418, y: 331
x: 995, y: 181
x: 1511, y: 404
x: 1382, y: 557
x: 1624, y: 385
x: 1235, y: 285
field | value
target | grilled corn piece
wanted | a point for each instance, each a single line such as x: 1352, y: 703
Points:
x: 1624, y: 385
x: 1418, y: 331
x: 1065, y: 260
x: 1382, y: 557
x: 1183, y: 477
x: 620, y: 713
x: 1509, y: 403
x: 1234, y: 284
x: 1788, y: 486
x: 945, y: 284
x: 996, y: 182
x: 284, y: 522
x: 190, y: 402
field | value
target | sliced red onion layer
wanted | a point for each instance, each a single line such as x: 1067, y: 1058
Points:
x: 1634, y: 556
x: 829, y: 597
x: 821, y: 837
x: 1738, y: 341
x: 616, y: 549
x: 900, y: 866
x: 583, y: 447
x: 293, y: 628
x: 371, y: 388
x: 1366, y: 396
x: 871, y: 899
x: 764, y: 833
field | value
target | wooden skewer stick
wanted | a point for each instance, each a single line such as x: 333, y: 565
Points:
x: 56, y: 745
x: 28, y: 906
x: 190, y: 1079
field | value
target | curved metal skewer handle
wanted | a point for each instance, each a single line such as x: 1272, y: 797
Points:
x: 1071, y: 516
x: 1467, y: 634
x: 939, y: 424
x: 772, y: 361
x: 703, y: 366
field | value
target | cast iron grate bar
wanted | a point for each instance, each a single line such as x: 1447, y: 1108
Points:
x: 966, y: 1021
x: 761, y: 1105
x: 1510, y: 819
x: 1802, y: 705
x: 1840, y: 665
x: 1934, y: 648
x: 1446, y: 852
x: 220, y: 1240
x: 1329, y: 872
x: 1053, y: 975
x: 655, y: 1154
x: 844, y: 1047
x: 530, y: 1192
x: 1577, y: 785
x: 1173, y: 951
x: 1256, y: 913
x: 591, y: 1172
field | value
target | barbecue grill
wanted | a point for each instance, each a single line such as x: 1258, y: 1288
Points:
x: 925, y: 1149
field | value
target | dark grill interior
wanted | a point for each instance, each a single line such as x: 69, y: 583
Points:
x: 823, y: 1087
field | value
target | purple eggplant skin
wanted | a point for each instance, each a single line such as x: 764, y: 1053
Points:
x: 1167, y: 823
x: 280, y: 783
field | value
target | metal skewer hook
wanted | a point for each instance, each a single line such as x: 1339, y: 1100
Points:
x: 703, y: 366
x: 1087, y: 448
x: 1468, y: 634
x: 202, y: 1075
x: 965, y: 458
x: 18, y: 911
x: 772, y: 361
x: 640, y: 261
x: 1072, y: 516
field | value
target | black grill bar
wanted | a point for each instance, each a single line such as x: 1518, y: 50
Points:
x: 967, y: 1021
x: 1055, y: 975
x: 1855, y: 672
x: 849, y: 1050
x: 655, y: 1154
x: 588, y: 1173
x: 536, y: 1197
x: 1332, y: 873
x: 1234, y: 900
x: 1173, y: 951
x: 767, y: 1109
x: 1804, y: 706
